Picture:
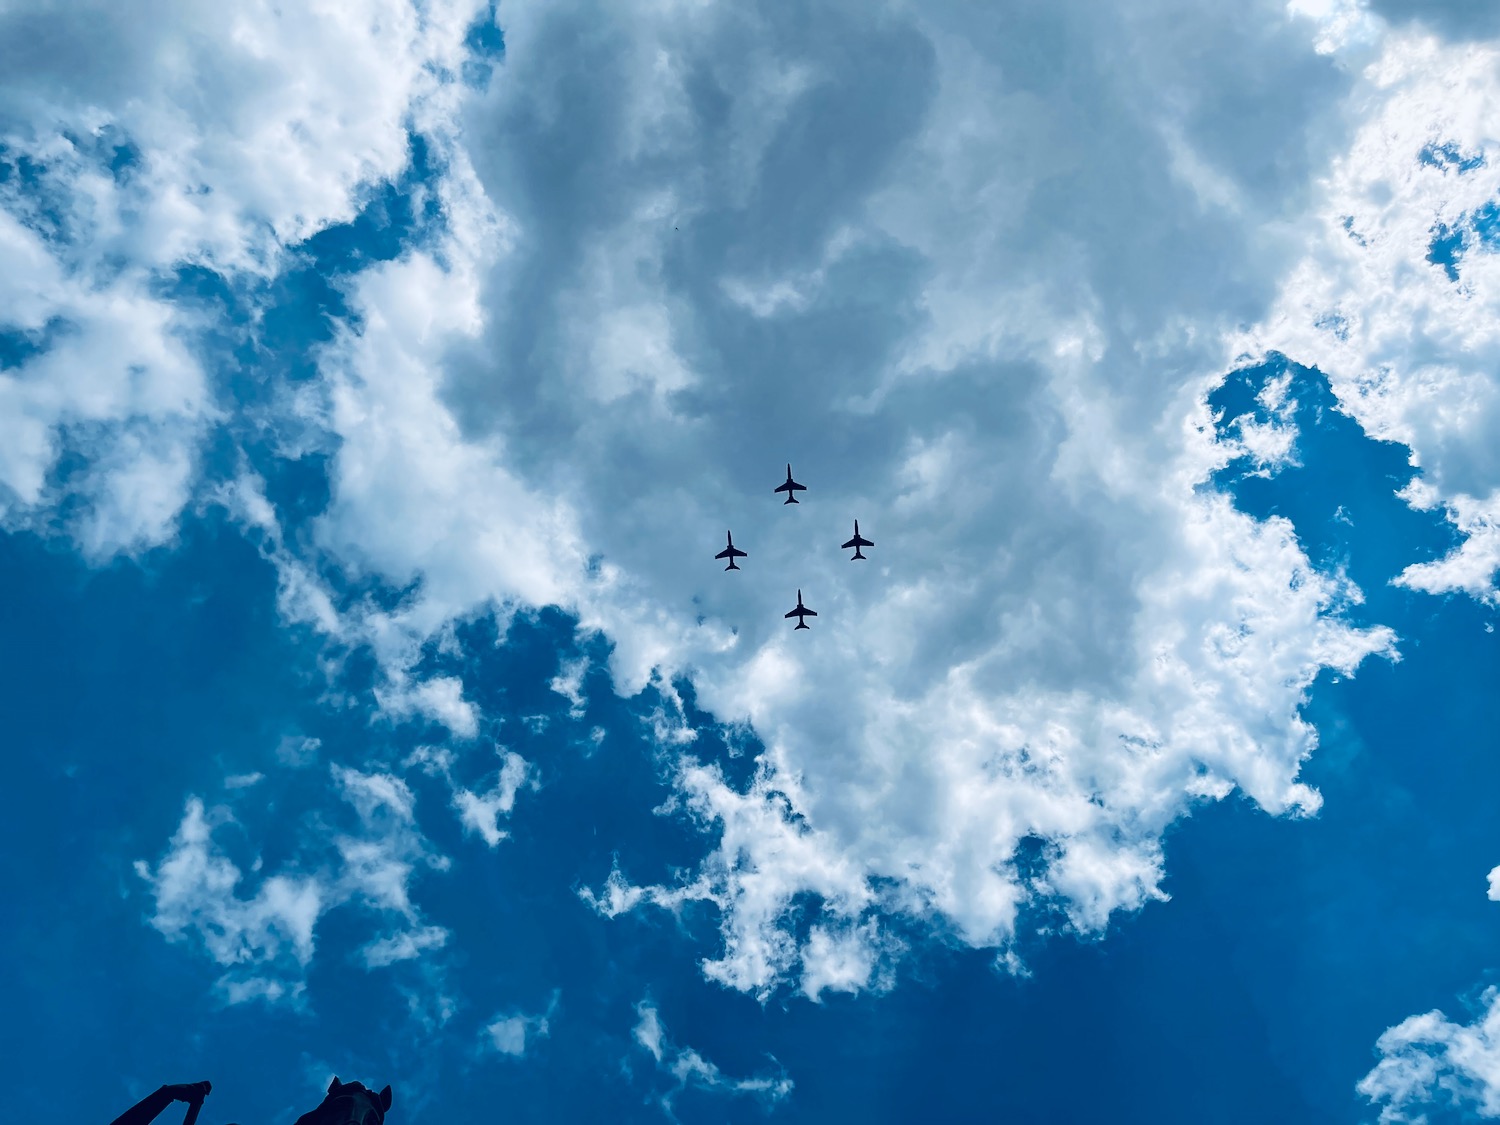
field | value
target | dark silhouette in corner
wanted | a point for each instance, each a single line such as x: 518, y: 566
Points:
x: 346, y: 1103
x: 145, y: 1110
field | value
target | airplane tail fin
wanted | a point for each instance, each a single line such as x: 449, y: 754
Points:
x: 801, y: 625
x: 857, y: 555
x: 731, y: 566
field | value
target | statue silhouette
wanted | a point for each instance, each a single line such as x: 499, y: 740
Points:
x: 346, y: 1103
x: 349, y: 1103
x: 145, y: 1110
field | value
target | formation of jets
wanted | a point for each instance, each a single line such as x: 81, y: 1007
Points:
x: 791, y: 488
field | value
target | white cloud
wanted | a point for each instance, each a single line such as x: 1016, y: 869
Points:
x: 1343, y: 25
x: 478, y: 812
x: 648, y: 1030
x: 1059, y: 635
x: 976, y: 292
x: 516, y: 1033
x: 842, y: 959
x: 568, y: 683
x: 195, y: 890
x: 405, y: 945
x: 248, y: 128
x: 266, y: 942
x: 508, y: 1036
x: 439, y: 698
x: 1411, y: 352
x: 1472, y: 566
x: 297, y: 750
x: 618, y: 896
x: 1430, y: 1062
x: 481, y: 812
x: 113, y: 379
x: 687, y: 1067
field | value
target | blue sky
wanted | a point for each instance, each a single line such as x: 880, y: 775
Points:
x: 374, y: 393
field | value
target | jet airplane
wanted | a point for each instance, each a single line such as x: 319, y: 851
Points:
x: 800, y: 613
x: 732, y: 552
x: 857, y: 542
x: 791, y: 488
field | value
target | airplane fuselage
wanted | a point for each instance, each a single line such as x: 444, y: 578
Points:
x: 731, y: 552
x: 801, y: 613
x: 857, y: 542
x: 791, y: 488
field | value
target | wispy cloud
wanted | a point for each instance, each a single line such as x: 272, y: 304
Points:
x: 265, y: 941
x: 515, y: 1033
x: 688, y: 1069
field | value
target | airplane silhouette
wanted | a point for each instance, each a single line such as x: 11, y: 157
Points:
x: 732, y: 552
x: 800, y: 613
x: 857, y: 542
x: 791, y: 488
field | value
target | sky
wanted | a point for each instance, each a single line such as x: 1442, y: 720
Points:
x: 378, y: 380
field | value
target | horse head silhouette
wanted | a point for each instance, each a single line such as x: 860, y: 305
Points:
x: 349, y: 1103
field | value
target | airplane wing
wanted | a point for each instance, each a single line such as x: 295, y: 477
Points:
x: 787, y: 487
x: 795, y: 487
x: 728, y: 553
x: 793, y: 613
x: 809, y: 612
x: 855, y: 542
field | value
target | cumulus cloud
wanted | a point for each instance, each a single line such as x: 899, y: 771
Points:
x: 687, y: 1068
x: 1428, y: 1062
x: 897, y: 264
x: 977, y: 292
x: 1473, y: 565
x: 1062, y: 636
x: 266, y: 941
x: 104, y: 370
x: 1397, y: 299
x: 140, y: 142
